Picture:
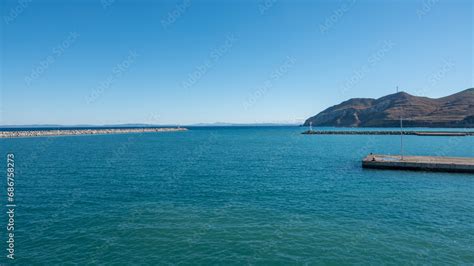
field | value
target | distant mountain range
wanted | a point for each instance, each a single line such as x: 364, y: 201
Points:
x: 224, y: 124
x: 456, y: 110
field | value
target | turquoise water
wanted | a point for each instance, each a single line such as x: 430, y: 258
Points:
x: 236, y: 196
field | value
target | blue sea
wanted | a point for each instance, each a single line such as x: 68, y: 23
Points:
x: 233, y: 196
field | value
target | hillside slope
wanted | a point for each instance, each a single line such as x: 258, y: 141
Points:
x: 456, y: 110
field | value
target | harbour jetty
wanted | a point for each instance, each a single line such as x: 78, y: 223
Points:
x: 390, y: 132
x: 419, y: 163
x: 71, y: 132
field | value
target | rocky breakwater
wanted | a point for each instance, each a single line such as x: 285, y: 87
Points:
x: 71, y: 132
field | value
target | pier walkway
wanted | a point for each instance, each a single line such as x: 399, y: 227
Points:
x: 420, y: 163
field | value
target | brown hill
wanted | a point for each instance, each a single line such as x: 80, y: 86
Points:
x: 456, y: 110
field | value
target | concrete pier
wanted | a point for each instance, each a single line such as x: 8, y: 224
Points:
x: 390, y: 132
x: 420, y: 163
x: 71, y: 132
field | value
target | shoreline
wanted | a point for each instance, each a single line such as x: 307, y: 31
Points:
x: 390, y: 132
x: 76, y: 132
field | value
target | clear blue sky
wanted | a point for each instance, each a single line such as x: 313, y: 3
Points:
x: 190, y: 61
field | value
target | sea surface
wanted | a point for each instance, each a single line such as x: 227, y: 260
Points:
x: 233, y: 196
